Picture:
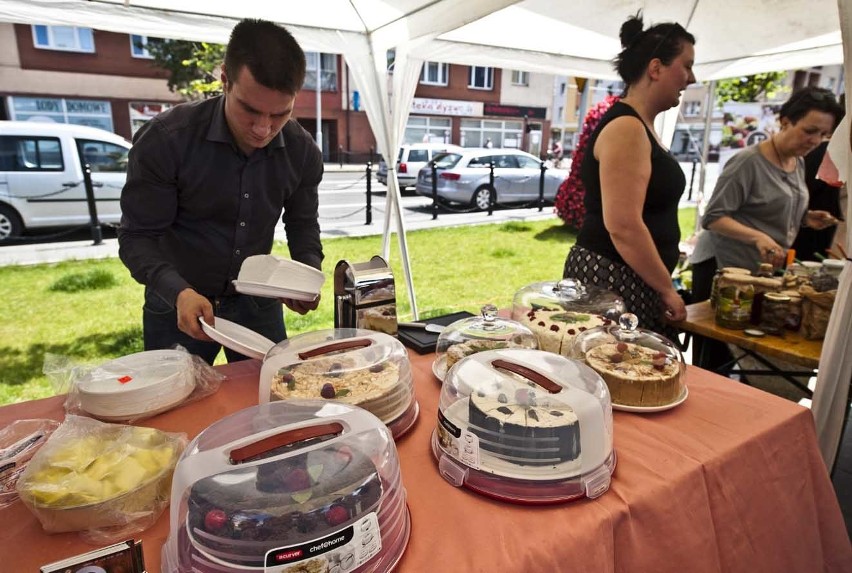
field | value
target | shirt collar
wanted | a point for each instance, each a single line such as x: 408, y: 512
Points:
x: 220, y: 132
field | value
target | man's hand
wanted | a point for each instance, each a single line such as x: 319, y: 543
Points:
x: 190, y: 305
x: 301, y: 306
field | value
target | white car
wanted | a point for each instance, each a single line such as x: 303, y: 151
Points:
x: 410, y: 160
x: 41, y: 175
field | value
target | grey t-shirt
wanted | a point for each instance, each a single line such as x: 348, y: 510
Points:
x: 759, y: 194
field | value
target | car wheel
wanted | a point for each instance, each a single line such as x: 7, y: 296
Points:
x: 482, y: 198
x: 10, y: 223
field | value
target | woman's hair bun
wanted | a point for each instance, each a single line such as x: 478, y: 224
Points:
x: 631, y: 30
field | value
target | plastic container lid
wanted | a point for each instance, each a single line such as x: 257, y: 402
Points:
x: 567, y: 294
x: 525, y: 425
x: 642, y: 369
x: 302, y: 483
x: 476, y: 334
x: 355, y: 366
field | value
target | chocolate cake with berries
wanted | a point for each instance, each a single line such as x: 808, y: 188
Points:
x: 238, y: 516
x: 636, y: 375
x: 521, y: 423
x: 557, y: 328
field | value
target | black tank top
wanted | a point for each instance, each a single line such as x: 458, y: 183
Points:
x: 661, y: 199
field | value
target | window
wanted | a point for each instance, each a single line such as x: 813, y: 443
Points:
x: 19, y: 153
x: 691, y: 109
x: 139, y: 47
x: 94, y: 113
x: 103, y: 157
x: 328, y: 71
x: 481, y: 78
x: 427, y: 129
x: 520, y: 78
x: 435, y: 73
x: 66, y: 38
x: 475, y: 133
x: 525, y: 162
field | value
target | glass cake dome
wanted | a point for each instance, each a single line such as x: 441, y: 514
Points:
x: 355, y: 366
x: 477, y: 333
x: 525, y: 426
x: 644, y: 370
x: 567, y: 294
x: 297, y: 485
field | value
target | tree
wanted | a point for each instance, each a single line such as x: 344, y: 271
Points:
x: 193, y: 66
x: 750, y: 88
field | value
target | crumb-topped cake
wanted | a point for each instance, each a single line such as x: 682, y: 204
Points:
x: 238, y: 516
x: 458, y: 351
x: 519, y: 422
x: 636, y: 375
x: 556, y: 329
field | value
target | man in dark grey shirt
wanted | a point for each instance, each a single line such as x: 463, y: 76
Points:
x: 206, y: 184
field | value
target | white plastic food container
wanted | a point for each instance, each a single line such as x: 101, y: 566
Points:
x: 525, y: 426
x: 299, y: 485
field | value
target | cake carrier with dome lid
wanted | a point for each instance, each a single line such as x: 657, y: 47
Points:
x: 525, y: 426
x: 644, y: 370
x: 288, y: 486
x: 477, y: 333
x: 356, y: 366
x: 567, y: 294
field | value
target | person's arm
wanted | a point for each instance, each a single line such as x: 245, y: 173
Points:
x: 624, y: 153
x: 148, y: 209
x: 301, y: 223
x: 770, y: 251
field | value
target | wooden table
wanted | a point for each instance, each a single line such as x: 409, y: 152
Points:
x: 730, y: 481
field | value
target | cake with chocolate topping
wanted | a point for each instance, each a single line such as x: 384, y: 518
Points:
x: 636, y: 375
x: 556, y: 329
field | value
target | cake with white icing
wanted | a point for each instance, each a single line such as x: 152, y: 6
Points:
x: 636, y: 375
x: 519, y: 422
x: 556, y: 329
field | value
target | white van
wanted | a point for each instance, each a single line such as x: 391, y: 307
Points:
x: 411, y: 159
x: 41, y: 175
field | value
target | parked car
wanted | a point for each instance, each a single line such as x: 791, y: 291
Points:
x: 464, y: 177
x: 410, y: 160
x: 41, y: 175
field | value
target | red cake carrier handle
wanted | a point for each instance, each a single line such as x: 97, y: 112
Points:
x: 335, y: 347
x: 535, y: 377
x: 254, y: 450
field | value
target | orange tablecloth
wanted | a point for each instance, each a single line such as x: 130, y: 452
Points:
x: 729, y: 481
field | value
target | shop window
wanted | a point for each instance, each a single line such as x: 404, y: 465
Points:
x: 481, y: 78
x: 435, y: 74
x: 65, y: 38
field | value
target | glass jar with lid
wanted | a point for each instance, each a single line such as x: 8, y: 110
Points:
x: 774, y: 312
x: 488, y: 331
x: 734, y: 301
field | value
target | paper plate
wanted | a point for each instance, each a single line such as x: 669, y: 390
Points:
x: 270, y: 291
x: 237, y: 338
x: 651, y: 409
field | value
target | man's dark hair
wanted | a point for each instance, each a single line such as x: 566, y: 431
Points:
x: 663, y: 41
x: 270, y: 52
x: 808, y: 99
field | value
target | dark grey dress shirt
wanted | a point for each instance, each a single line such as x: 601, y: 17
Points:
x: 194, y: 206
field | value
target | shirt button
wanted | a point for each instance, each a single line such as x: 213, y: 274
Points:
x: 237, y: 252
x: 242, y: 223
x: 246, y: 195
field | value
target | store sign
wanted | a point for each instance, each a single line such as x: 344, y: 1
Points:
x: 515, y: 111
x: 446, y: 107
x: 94, y: 113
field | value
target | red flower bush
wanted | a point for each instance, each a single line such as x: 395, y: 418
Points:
x: 569, y: 197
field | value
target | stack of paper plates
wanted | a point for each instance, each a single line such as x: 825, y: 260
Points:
x: 136, y: 385
x: 275, y: 277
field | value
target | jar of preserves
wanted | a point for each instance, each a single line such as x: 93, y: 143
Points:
x: 794, y: 312
x: 773, y: 314
x: 734, y: 301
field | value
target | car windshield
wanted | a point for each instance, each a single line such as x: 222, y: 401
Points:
x: 446, y: 160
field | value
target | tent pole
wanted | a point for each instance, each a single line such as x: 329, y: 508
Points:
x: 705, y: 150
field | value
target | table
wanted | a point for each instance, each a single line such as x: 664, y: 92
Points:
x: 792, y: 347
x: 731, y: 481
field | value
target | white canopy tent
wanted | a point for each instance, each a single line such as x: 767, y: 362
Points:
x: 734, y: 37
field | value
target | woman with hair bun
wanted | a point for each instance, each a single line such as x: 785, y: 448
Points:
x: 629, y: 239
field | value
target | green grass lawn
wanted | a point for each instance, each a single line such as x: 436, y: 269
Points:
x: 91, y: 311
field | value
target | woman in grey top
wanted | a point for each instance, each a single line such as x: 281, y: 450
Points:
x: 761, y: 200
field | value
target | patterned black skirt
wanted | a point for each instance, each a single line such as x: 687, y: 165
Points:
x: 640, y: 299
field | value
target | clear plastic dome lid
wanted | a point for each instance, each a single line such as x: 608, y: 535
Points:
x: 288, y: 483
x: 525, y: 425
x: 476, y: 334
x: 355, y: 366
x: 567, y: 294
x: 641, y: 368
